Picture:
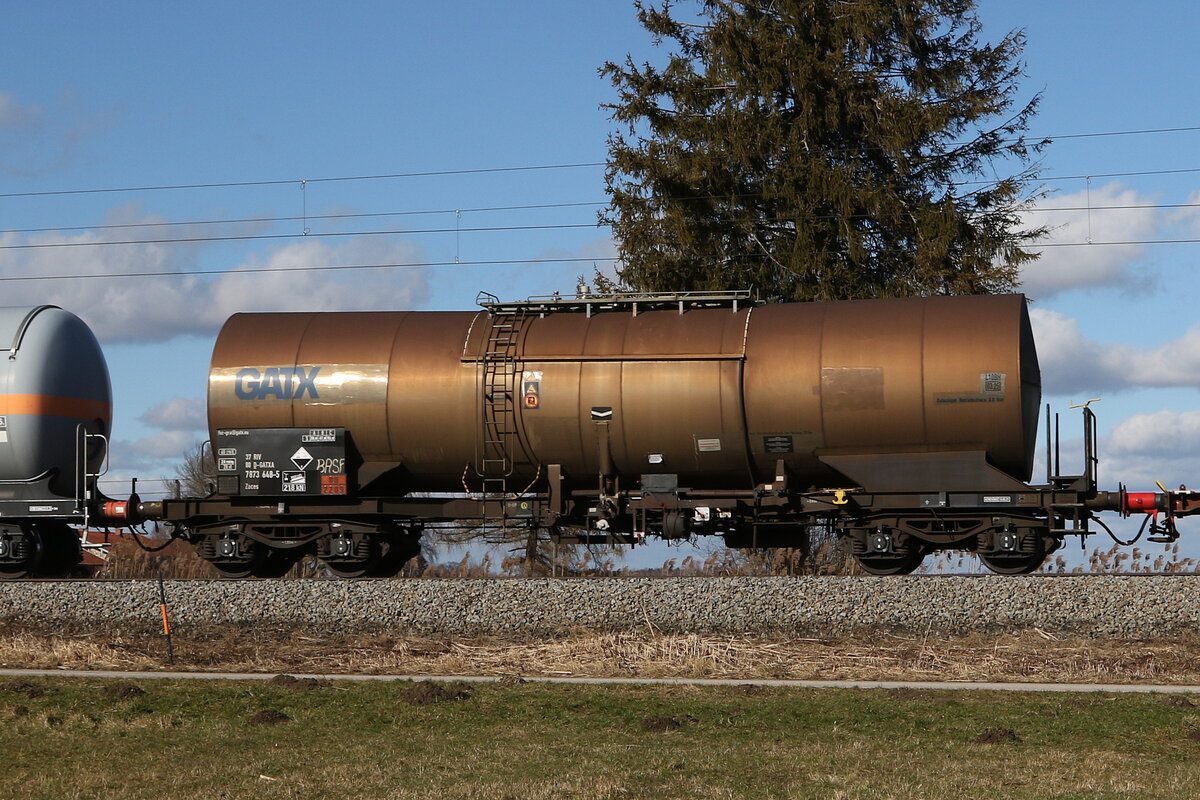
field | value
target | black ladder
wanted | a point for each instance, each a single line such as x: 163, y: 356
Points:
x: 496, y: 458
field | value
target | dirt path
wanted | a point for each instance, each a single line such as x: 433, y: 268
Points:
x: 895, y: 686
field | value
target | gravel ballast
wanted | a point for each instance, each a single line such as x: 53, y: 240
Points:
x: 1114, y: 606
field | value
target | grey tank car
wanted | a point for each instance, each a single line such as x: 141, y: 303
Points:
x: 55, y: 415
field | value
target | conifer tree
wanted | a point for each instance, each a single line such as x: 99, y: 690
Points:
x: 821, y: 149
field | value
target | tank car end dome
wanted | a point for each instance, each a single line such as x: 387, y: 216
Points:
x: 54, y: 386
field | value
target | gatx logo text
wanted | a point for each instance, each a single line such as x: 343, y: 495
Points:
x: 285, y: 383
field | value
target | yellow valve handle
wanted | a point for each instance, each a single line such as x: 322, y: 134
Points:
x: 1159, y: 484
x: 839, y: 497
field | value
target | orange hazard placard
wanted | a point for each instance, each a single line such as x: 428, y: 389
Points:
x: 333, y: 484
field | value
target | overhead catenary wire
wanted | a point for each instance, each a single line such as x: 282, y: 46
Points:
x: 482, y: 209
x: 1124, y: 243
x: 309, y: 217
x: 480, y: 229
x: 303, y: 235
x: 308, y: 234
x: 236, y: 271
x: 299, y: 181
x: 537, y: 206
x: 302, y: 182
x: 317, y: 268
x: 480, y: 170
x: 456, y: 230
x: 1136, y: 132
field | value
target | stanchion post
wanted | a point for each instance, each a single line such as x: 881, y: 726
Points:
x: 166, y: 620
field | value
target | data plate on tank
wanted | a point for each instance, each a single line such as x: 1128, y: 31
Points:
x: 281, y: 462
x: 974, y: 500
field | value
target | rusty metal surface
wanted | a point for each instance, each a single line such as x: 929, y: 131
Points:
x: 394, y: 379
x: 892, y: 376
x: 672, y: 382
x: 714, y: 395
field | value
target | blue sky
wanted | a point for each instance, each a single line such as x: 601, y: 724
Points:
x: 142, y: 94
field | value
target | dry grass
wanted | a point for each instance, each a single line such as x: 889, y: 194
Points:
x: 144, y: 557
x: 1029, y: 656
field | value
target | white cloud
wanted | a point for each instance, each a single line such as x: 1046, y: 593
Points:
x: 1159, y: 446
x: 1165, y: 433
x: 1071, y: 363
x: 178, y: 413
x: 1063, y: 268
x: 161, y: 308
x: 337, y: 290
x: 166, y: 444
x: 182, y: 423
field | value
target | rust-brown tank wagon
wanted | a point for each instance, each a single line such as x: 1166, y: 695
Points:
x: 905, y: 426
x: 718, y: 397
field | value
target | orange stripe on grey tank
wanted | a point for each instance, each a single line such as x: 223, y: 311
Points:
x: 53, y: 406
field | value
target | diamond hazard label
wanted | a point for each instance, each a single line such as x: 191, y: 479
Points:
x: 302, y: 458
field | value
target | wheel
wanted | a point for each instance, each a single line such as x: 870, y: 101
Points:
x: 234, y: 558
x: 887, y: 552
x: 396, y: 550
x: 49, y: 549
x: 1020, y: 562
x: 350, y: 569
x: 891, y: 563
x: 273, y: 564
x: 359, y: 557
x: 1017, y: 564
x: 263, y: 563
x: 61, y: 549
x: 233, y: 570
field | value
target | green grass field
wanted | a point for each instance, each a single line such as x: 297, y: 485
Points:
x: 64, y: 738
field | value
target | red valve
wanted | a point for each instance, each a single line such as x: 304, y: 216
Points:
x: 116, y: 510
x: 1140, y: 503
